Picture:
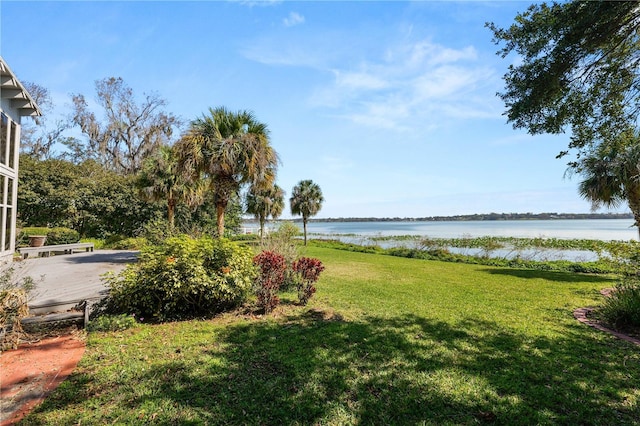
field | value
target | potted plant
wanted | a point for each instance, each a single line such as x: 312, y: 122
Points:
x: 37, y: 240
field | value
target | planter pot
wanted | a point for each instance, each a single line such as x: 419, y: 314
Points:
x: 37, y: 240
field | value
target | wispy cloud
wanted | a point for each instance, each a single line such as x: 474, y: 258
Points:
x: 402, y: 86
x: 252, y: 3
x: 423, y: 82
x: 293, y: 19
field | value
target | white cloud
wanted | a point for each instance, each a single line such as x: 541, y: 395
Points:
x: 403, y: 87
x: 253, y: 3
x: 293, y: 19
x: 359, y: 81
x: 420, y: 84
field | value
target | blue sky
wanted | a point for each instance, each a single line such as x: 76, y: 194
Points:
x: 389, y: 106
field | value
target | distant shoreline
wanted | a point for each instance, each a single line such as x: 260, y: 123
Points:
x: 473, y: 217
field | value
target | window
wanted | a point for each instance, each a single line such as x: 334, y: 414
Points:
x: 4, y: 130
x: 9, y: 201
x: 2, y: 191
x: 9, y: 146
x: 13, y: 144
x: 8, y: 236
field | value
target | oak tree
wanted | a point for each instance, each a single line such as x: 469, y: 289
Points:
x: 577, y: 70
x: 128, y: 131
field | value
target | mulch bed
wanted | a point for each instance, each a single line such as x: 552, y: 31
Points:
x: 28, y: 374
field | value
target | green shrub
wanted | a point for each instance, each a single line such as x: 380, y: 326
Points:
x: 54, y: 235
x: 98, y: 244
x: 183, y: 278
x: 622, y: 308
x: 157, y: 230
x: 112, y: 323
x: 127, y: 244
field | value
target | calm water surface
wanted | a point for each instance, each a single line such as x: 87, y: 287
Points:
x: 595, y: 229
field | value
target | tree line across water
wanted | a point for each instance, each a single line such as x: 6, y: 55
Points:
x: 482, y: 216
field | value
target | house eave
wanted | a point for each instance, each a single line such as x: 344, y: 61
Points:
x: 14, y: 92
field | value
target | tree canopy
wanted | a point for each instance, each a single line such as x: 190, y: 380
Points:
x: 86, y: 197
x: 263, y: 203
x: 129, y: 132
x: 306, y: 200
x: 578, y: 70
x: 230, y: 149
x: 610, y: 174
x: 38, y: 136
x: 160, y: 180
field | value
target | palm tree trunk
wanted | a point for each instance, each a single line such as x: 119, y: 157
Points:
x: 171, y: 208
x: 633, y: 199
x: 261, y: 230
x: 220, y: 219
x: 635, y: 210
x: 304, y: 225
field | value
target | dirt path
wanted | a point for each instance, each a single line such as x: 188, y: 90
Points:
x: 29, y: 373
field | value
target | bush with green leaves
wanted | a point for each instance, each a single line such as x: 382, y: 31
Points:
x: 133, y: 243
x: 112, y: 323
x: 621, y: 309
x: 58, y: 235
x: 157, y: 230
x: 183, y: 278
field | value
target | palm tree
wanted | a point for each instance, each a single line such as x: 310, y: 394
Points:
x: 265, y: 203
x: 159, y: 180
x: 230, y: 148
x: 611, y: 175
x: 306, y: 200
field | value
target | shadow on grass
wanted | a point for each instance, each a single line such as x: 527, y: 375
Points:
x: 556, y: 276
x: 314, y: 368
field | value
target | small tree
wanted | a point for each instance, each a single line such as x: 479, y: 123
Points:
x: 271, y: 275
x: 309, y: 271
x: 159, y: 180
x: 264, y: 203
x: 306, y: 200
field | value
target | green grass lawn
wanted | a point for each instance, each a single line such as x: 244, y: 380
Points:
x: 385, y: 341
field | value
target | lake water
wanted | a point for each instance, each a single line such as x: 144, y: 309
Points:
x: 594, y: 229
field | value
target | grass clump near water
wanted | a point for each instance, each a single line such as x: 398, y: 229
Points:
x: 441, y: 253
x: 621, y: 309
x: 385, y: 340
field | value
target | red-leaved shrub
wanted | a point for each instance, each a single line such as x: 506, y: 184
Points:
x: 308, y: 270
x: 272, y: 272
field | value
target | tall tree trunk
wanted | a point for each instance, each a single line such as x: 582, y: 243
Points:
x: 261, y: 229
x: 633, y: 200
x: 635, y: 210
x: 220, y: 208
x: 171, y: 208
x: 304, y: 225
